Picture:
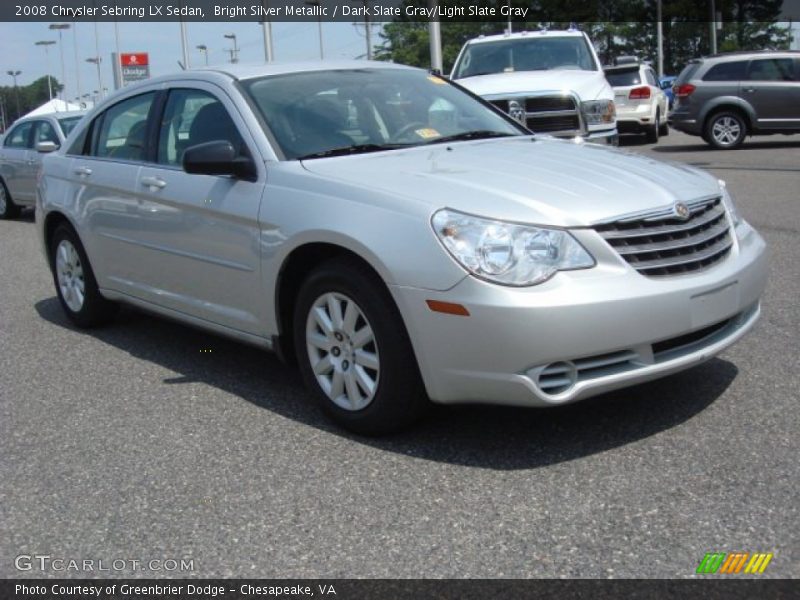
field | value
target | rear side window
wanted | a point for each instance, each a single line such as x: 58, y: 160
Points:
x: 19, y: 137
x: 687, y: 73
x: 651, y: 77
x: 772, y: 69
x: 729, y: 71
x: 193, y: 117
x: 121, y: 130
x: 623, y: 78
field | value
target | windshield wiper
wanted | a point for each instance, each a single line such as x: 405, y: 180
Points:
x: 356, y: 149
x: 478, y: 134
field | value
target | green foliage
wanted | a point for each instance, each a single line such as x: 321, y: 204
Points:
x: 30, y: 97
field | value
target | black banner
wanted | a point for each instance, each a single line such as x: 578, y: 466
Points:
x: 352, y: 589
x: 519, y: 11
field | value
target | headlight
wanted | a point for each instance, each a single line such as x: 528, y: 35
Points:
x: 508, y: 253
x: 597, y: 112
x: 727, y: 200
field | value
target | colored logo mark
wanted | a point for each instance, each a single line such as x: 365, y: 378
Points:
x: 734, y: 562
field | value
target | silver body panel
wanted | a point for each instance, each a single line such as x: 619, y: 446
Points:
x: 209, y: 250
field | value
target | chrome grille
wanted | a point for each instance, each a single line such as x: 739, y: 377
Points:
x: 545, y: 114
x: 661, y: 244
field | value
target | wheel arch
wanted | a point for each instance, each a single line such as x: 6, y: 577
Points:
x: 51, y: 222
x: 295, y: 268
x: 731, y: 104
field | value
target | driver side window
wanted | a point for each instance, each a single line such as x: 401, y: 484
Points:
x: 193, y: 117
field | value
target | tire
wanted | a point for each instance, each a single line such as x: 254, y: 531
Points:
x: 8, y: 210
x: 75, y: 283
x: 725, y: 130
x: 652, y: 132
x: 663, y: 130
x: 354, y: 352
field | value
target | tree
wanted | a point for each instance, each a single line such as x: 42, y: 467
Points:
x: 30, y: 96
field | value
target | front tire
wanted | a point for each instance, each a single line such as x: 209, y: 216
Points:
x: 75, y: 283
x: 354, y: 352
x: 8, y: 210
x: 725, y: 130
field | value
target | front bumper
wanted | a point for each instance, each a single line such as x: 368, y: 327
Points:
x: 609, y: 137
x: 603, y: 328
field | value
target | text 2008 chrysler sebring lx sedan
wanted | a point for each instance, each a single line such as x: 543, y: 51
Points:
x: 396, y: 236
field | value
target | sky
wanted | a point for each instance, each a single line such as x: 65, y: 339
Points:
x: 291, y: 41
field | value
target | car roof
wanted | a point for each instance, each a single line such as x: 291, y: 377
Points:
x: 54, y: 115
x: 251, y: 71
x: 526, y: 35
x: 740, y: 54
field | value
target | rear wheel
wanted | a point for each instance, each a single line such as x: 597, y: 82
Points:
x: 8, y: 210
x: 74, y: 279
x: 725, y: 130
x: 663, y: 130
x: 654, y: 130
x: 354, y: 352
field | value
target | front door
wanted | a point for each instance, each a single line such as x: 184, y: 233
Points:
x: 15, y: 167
x: 202, y: 231
x: 773, y: 89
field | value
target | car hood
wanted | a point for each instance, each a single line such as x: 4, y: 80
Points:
x: 534, y: 180
x: 589, y: 85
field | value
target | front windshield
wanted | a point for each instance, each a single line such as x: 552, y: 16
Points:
x: 526, y: 54
x: 68, y: 124
x: 322, y: 113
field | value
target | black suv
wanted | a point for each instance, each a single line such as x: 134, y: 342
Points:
x: 725, y: 97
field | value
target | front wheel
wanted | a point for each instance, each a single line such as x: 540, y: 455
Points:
x: 725, y: 130
x: 354, y: 352
x: 74, y: 280
x: 8, y: 210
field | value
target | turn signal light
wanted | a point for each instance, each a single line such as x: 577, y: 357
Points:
x: 448, y: 308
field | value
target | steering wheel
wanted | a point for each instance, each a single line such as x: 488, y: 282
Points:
x: 406, y: 129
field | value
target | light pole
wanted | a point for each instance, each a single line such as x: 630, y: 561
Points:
x: 77, y: 63
x: 61, y: 27
x: 204, y: 49
x: 95, y: 60
x: 318, y: 4
x: 235, y: 51
x: 45, y: 44
x: 16, y: 89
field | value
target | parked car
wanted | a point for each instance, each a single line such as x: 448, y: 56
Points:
x: 396, y: 237
x: 20, y: 156
x: 666, y: 84
x: 641, y: 104
x: 726, y: 97
x: 550, y: 81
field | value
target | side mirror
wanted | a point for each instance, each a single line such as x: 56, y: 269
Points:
x: 46, y: 147
x: 218, y: 158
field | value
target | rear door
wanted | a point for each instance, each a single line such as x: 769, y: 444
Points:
x: 773, y: 89
x: 104, y: 177
x: 15, y: 165
x: 202, y: 230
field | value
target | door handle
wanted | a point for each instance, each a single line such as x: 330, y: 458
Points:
x: 83, y: 171
x: 750, y: 90
x: 154, y: 182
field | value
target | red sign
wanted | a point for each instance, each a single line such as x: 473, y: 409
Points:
x: 134, y: 59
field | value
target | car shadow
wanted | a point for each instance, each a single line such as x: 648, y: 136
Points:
x: 492, y: 437
x: 748, y: 145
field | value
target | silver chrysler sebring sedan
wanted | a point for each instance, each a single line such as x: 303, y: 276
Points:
x: 396, y: 236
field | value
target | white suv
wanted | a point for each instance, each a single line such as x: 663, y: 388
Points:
x: 550, y: 81
x: 641, y: 103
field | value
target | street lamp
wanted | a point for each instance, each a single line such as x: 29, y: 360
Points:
x: 16, y: 89
x: 204, y: 49
x: 318, y: 4
x: 61, y: 27
x: 45, y: 44
x: 235, y: 51
x: 95, y: 60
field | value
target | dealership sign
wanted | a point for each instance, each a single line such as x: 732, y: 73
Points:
x: 134, y: 66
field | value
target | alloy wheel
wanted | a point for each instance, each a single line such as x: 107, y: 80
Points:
x: 342, y: 351
x: 69, y: 272
x: 726, y: 131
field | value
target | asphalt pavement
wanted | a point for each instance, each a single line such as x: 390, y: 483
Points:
x: 148, y: 440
